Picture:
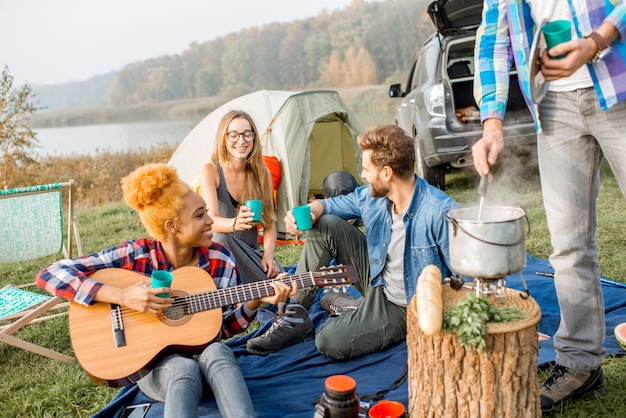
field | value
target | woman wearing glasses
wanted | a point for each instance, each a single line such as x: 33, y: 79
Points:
x: 235, y: 174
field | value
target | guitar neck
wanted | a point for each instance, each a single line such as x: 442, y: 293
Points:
x: 238, y: 294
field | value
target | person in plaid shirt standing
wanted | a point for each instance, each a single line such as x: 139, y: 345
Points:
x: 181, y: 228
x: 580, y: 122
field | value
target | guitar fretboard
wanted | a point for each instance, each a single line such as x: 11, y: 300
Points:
x: 237, y: 294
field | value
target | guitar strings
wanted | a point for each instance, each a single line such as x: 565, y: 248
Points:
x: 238, y: 294
x: 233, y: 295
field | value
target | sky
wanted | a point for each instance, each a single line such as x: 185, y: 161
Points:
x: 56, y: 41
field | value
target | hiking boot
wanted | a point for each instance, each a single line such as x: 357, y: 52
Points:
x: 565, y: 385
x: 294, y: 326
x: 338, y: 303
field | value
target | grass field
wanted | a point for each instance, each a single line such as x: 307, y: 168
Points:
x: 34, y: 386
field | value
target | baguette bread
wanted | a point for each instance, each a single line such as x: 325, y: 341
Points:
x: 430, y: 300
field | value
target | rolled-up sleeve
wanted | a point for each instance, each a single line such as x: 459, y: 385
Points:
x: 492, y: 61
x: 69, y: 278
x: 618, y: 19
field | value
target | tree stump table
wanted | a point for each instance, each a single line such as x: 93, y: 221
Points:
x: 448, y: 380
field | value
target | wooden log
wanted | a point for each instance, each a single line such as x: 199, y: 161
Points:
x: 448, y: 380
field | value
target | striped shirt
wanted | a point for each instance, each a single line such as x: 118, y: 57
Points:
x: 506, y: 34
x: 69, y: 278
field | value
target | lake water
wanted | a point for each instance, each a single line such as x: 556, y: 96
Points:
x: 90, y: 139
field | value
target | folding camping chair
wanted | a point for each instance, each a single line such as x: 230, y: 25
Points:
x: 31, y: 227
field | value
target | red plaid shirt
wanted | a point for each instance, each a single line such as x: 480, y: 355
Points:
x: 69, y: 278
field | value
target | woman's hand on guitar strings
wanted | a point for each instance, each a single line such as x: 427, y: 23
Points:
x: 282, y: 291
x: 143, y: 298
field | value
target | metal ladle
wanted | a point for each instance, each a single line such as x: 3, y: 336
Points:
x: 482, y: 191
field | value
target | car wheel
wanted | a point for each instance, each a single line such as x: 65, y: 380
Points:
x: 433, y: 175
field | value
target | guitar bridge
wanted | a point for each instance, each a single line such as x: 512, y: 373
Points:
x: 118, y: 325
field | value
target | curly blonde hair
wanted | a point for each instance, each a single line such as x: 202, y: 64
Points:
x: 156, y: 192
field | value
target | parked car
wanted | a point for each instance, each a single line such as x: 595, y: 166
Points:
x: 438, y: 108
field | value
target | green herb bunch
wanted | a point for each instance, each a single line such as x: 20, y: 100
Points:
x: 468, y: 319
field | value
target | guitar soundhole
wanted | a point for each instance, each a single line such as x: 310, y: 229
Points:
x: 175, y: 315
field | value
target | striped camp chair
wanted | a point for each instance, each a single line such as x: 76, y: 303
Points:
x: 32, y: 226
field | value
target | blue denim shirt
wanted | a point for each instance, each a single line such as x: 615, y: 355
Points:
x: 425, y: 223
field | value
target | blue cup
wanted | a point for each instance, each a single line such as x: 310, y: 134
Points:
x: 162, y: 278
x: 256, y: 206
x: 557, y: 32
x: 302, y: 214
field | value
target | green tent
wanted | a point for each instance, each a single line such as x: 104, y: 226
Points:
x: 312, y: 133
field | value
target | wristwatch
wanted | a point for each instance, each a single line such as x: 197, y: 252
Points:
x: 232, y: 224
x: 603, y: 48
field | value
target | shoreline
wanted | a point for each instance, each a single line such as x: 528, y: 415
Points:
x: 364, y: 99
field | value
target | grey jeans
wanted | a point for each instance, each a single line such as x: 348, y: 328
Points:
x: 178, y: 381
x: 377, y: 323
x: 577, y: 135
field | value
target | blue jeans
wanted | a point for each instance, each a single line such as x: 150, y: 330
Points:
x: 577, y: 135
x: 178, y: 381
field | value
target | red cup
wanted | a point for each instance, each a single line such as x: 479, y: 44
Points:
x: 387, y: 409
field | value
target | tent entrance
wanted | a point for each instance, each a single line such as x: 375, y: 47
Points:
x: 331, y: 148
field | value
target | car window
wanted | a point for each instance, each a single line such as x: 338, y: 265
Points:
x: 425, y: 67
x: 409, y: 82
x: 460, y: 58
x: 418, y: 76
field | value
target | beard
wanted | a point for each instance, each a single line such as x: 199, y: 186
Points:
x: 378, y: 190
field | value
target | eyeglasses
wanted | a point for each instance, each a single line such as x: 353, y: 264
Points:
x: 233, y: 136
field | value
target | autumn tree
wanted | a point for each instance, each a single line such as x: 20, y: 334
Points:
x: 265, y: 59
x: 367, y: 68
x: 208, y: 80
x: 237, y: 60
x: 367, y: 43
x: 317, y: 49
x: 334, y: 72
x: 17, y: 140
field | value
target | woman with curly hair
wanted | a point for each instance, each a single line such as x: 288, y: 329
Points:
x: 181, y: 231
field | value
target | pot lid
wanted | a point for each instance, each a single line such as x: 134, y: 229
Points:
x: 450, y: 16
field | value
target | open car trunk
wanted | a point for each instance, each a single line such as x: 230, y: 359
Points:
x: 460, y: 69
x: 453, y: 15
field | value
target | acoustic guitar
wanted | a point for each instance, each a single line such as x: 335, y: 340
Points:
x: 117, y: 346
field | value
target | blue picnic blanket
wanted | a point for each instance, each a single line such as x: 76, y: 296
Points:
x: 286, y: 383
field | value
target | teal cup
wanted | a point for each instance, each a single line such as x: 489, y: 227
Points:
x: 557, y: 32
x: 162, y: 278
x: 256, y: 206
x: 303, y: 217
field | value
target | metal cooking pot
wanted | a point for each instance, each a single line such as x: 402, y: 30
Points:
x: 490, y: 248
